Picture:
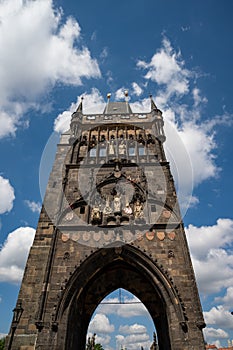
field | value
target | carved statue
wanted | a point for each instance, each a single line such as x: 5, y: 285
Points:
x: 122, y: 148
x: 138, y: 210
x: 111, y: 148
x: 107, y: 209
x: 95, y: 214
x: 117, y: 203
x: 128, y: 209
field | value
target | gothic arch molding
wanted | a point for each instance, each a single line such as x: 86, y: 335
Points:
x: 103, y: 272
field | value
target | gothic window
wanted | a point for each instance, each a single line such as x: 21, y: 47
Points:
x: 131, y: 150
x: 141, y: 151
x: 93, y: 152
x: 102, y: 151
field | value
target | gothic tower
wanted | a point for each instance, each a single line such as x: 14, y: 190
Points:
x: 110, y: 219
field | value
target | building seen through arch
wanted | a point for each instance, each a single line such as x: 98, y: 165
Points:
x: 110, y: 219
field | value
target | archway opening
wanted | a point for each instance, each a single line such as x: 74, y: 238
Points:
x: 104, y: 272
x: 121, y: 321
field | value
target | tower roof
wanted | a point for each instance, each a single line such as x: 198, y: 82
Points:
x: 117, y: 108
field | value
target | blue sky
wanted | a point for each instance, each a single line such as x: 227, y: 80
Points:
x: 181, y: 52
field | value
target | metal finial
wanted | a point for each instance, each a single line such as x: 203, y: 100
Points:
x: 108, y: 95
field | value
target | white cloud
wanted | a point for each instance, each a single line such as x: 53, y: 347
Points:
x: 131, y: 308
x: 40, y: 50
x: 104, y: 340
x: 100, y: 324
x: 227, y: 299
x: 13, y: 254
x: 198, y: 99
x: 92, y: 103
x: 35, y: 207
x: 134, y: 341
x: 135, y: 328
x: 199, y: 145
x: 202, y: 239
x: 104, y: 53
x: 141, y: 106
x: 120, y: 93
x: 219, y: 316
x: 137, y: 90
x: 213, y: 263
x: 166, y: 68
x: 211, y: 333
x: 7, y: 124
x: 7, y: 195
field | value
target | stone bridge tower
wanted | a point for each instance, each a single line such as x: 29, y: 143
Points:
x: 110, y: 219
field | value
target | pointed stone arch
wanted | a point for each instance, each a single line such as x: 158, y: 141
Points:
x: 119, y: 267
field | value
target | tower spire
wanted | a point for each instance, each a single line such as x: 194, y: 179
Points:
x: 80, y: 106
x: 152, y: 103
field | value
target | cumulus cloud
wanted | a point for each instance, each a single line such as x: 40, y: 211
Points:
x: 7, y: 124
x: 219, y: 316
x: 100, y: 324
x: 211, y: 254
x: 134, y: 341
x: 35, y: 207
x: 182, y: 103
x: 104, y: 340
x: 210, y: 332
x: 137, y: 90
x: 227, y: 299
x: 166, y: 68
x: 13, y: 254
x: 211, y: 250
x: 120, y: 93
x: 7, y: 195
x: 132, y: 307
x: 40, y: 50
x: 135, y: 328
x: 212, y: 335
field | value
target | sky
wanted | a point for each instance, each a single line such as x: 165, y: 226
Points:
x: 181, y: 52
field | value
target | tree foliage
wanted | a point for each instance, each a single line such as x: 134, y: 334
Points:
x: 98, y: 347
x: 2, y: 343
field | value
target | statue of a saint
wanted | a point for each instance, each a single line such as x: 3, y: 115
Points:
x: 138, y: 210
x: 128, y: 209
x: 107, y: 209
x: 95, y: 214
x: 111, y: 148
x: 117, y: 203
x: 122, y: 147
